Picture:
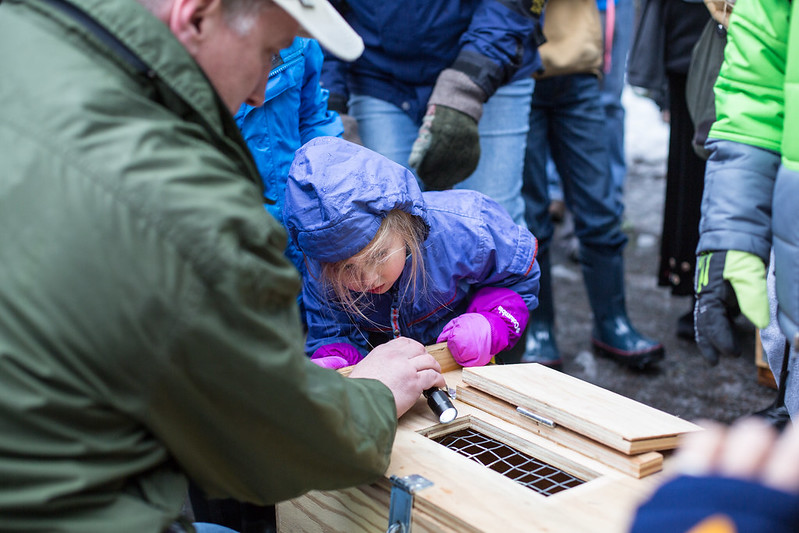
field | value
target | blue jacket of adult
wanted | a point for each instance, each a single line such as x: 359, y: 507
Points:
x: 407, y: 44
x: 294, y: 111
x: 336, y: 197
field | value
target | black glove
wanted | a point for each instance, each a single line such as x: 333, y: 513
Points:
x: 728, y: 282
x: 447, y: 149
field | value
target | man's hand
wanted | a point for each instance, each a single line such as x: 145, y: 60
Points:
x: 728, y: 282
x: 447, y: 149
x: 404, y: 366
x: 741, y: 478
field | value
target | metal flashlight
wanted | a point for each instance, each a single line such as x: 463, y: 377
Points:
x: 439, y: 402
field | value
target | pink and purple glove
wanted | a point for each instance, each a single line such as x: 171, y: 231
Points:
x: 494, y: 321
x: 336, y: 355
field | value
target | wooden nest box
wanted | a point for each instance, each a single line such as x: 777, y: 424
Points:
x: 532, y: 450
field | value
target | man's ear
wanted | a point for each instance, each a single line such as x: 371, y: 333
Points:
x: 191, y: 21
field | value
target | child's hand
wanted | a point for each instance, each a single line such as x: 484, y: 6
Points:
x: 336, y: 355
x: 494, y: 321
x: 468, y: 338
x: 332, y: 361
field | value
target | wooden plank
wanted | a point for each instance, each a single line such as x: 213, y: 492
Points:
x: 362, y: 509
x: 617, y: 421
x: 439, y: 351
x: 468, y: 498
x: 638, y: 466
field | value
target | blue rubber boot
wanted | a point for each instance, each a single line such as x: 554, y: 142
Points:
x: 613, y: 335
x: 540, y: 345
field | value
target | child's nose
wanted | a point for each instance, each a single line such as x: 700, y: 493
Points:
x: 370, y: 279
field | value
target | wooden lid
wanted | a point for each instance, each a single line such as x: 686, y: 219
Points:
x: 599, y: 414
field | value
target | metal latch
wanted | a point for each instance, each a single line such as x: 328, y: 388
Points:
x: 402, y: 491
x: 536, y: 418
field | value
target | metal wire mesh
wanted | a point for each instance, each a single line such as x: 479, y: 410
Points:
x: 521, y: 468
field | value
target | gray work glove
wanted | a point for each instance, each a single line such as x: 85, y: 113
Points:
x: 447, y: 149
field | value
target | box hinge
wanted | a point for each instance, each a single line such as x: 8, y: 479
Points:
x: 536, y: 418
x: 401, y: 505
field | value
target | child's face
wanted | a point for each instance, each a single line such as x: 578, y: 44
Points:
x: 378, y: 275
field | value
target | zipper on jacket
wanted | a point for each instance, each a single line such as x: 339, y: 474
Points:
x: 286, y: 62
x: 395, y: 312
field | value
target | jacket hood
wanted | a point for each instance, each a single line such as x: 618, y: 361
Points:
x: 337, y: 195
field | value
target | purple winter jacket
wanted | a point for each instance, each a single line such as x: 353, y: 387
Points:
x: 336, y: 197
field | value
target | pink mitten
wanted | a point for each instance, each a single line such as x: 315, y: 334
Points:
x: 331, y: 361
x: 468, y: 338
x: 336, y: 355
x: 505, y: 311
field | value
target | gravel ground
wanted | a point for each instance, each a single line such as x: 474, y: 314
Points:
x: 682, y: 384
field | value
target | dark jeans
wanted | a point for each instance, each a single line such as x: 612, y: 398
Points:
x: 567, y: 116
x: 240, y: 516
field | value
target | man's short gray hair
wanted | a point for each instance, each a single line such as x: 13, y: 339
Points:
x: 237, y: 12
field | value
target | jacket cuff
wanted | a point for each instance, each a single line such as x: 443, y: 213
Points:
x: 484, y: 72
x: 456, y: 90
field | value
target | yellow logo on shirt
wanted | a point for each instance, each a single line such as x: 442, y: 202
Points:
x: 715, y: 524
x: 537, y: 6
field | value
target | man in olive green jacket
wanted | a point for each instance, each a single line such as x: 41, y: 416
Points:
x: 148, y: 324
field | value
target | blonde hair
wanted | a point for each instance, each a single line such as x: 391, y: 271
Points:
x: 410, y: 228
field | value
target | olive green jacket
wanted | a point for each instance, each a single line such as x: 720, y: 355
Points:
x: 148, y: 324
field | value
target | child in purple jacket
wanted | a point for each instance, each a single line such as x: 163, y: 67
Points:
x: 386, y: 260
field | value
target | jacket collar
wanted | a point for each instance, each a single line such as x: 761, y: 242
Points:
x: 175, y: 73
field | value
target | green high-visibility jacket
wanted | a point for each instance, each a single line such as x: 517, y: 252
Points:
x: 148, y: 325
x: 752, y: 175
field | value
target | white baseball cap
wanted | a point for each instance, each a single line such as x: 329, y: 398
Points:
x: 326, y: 25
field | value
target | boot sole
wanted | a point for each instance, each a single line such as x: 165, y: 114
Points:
x: 636, y: 360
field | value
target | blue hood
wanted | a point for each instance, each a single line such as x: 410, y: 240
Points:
x: 337, y: 195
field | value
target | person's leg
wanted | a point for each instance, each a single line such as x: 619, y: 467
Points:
x: 540, y: 345
x: 685, y: 178
x: 557, y: 208
x: 580, y: 154
x: 503, y: 136
x: 384, y: 127
x: 535, y: 183
x: 612, y: 86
